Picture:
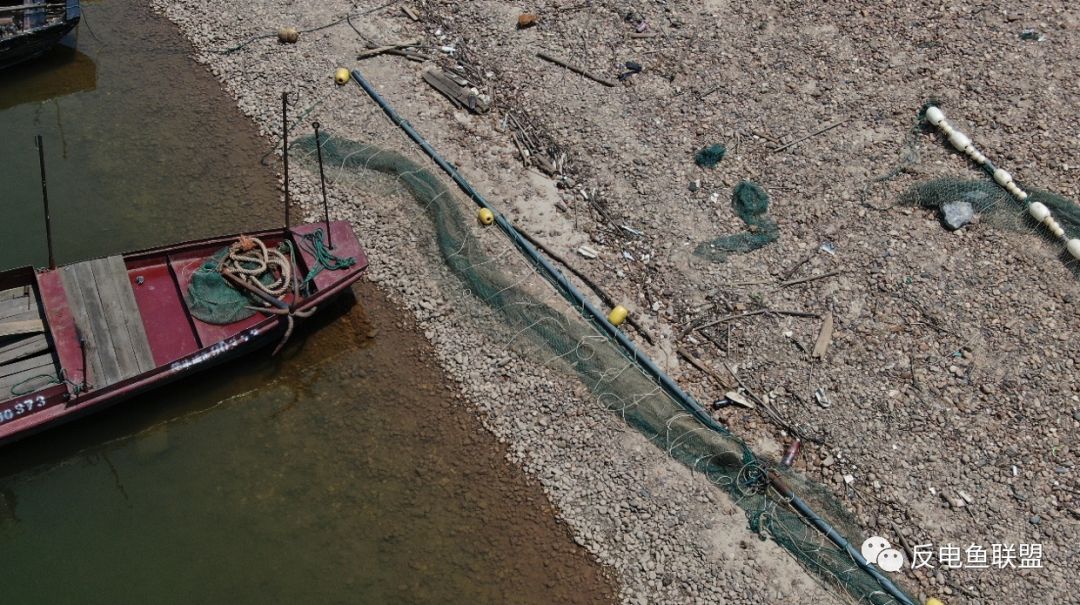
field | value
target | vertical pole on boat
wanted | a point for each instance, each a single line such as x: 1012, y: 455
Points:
x: 45, y: 200
x: 322, y: 178
x: 285, y: 148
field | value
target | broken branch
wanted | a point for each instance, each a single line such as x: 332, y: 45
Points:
x: 575, y: 69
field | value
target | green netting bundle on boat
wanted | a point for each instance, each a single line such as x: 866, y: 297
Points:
x: 212, y: 299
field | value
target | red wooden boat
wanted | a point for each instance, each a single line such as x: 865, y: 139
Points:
x: 76, y: 339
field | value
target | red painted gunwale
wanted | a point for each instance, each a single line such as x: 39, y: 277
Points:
x: 180, y: 344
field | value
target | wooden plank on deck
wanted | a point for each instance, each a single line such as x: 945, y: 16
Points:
x: 19, y: 292
x: 16, y: 306
x: 94, y: 374
x: 38, y: 361
x: 108, y: 296
x: 27, y: 382
x: 15, y: 328
x: 24, y: 347
x: 128, y: 318
x: 99, y: 328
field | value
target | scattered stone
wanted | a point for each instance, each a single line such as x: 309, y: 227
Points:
x: 957, y: 214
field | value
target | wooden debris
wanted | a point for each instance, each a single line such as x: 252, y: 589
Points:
x: 737, y: 398
x: 587, y: 252
x: 410, y: 13
x: 378, y: 50
x: 575, y: 69
x: 804, y: 280
x: 407, y: 53
x: 452, y: 88
x: 750, y: 314
x: 787, y: 275
x: 811, y: 135
x: 824, y: 337
x: 724, y: 384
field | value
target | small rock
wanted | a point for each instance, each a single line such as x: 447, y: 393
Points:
x: 957, y: 214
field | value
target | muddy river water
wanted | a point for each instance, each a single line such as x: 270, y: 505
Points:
x: 342, y: 471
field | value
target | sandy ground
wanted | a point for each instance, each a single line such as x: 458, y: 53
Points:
x: 952, y: 407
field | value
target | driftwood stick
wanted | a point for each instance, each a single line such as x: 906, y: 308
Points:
x: 809, y: 136
x: 575, y: 69
x: 378, y: 50
x: 804, y: 280
x: 795, y: 267
x: 750, y: 314
x: 704, y: 369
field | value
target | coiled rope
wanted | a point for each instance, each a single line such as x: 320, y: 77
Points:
x: 248, y: 259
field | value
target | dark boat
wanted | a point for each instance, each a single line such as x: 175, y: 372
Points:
x: 78, y: 338
x: 29, y: 28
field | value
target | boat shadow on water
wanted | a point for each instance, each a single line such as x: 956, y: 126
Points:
x: 339, y: 327
x: 62, y: 71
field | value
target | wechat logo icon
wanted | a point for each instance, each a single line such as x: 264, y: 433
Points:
x: 879, y: 551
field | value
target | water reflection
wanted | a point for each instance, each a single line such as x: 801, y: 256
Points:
x: 62, y: 71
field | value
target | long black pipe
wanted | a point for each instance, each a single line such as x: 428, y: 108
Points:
x: 570, y: 292
x: 45, y: 200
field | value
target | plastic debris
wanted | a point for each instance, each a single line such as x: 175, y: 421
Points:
x: 588, y: 252
x: 822, y: 398
x: 632, y: 68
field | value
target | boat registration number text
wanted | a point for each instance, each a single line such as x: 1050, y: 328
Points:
x: 21, y: 408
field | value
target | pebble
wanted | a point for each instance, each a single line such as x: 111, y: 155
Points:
x: 956, y: 214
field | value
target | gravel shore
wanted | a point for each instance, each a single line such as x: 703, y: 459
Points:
x: 947, y: 410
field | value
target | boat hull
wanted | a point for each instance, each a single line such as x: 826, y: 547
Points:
x: 177, y: 344
x: 18, y: 49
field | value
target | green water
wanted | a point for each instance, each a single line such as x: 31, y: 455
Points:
x: 141, y: 146
x: 342, y: 471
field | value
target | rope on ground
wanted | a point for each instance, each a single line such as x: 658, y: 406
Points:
x: 342, y: 19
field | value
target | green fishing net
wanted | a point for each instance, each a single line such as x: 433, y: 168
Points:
x: 523, y: 306
x: 215, y: 301
x: 751, y: 204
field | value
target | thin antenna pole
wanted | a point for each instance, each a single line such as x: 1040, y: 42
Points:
x: 322, y: 177
x: 285, y: 148
x: 45, y: 200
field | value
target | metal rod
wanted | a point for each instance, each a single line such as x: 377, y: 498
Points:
x: 45, y: 200
x: 322, y: 179
x: 285, y: 148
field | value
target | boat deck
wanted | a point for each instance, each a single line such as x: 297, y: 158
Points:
x: 107, y: 319
x: 26, y: 357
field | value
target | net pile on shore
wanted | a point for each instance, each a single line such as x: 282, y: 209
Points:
x: 516, y: 301
x: 751, y: 204
x: 990, y: 196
